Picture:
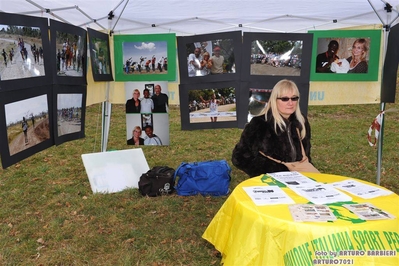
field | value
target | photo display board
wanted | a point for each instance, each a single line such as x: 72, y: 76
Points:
x: 210, y: 57
x: 210, y: 105
x: 275, y: 56
x: 68, y: 53
x: 100, y: 55
x: 25, y: 123
x: 25, y: 52
x: 145, y: 57
x: 69, y: 112
x: 356, y: 55
x: 147, y: 113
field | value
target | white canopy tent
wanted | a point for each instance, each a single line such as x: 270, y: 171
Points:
x: 210, y: 16
x: 206, y: 16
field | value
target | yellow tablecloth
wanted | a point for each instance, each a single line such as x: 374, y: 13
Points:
x: 247, y: 234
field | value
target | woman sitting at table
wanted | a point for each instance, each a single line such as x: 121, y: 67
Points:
x: 276, y: 133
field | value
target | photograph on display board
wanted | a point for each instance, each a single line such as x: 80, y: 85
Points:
x: 212, y: 105
x: 150, y: 88
x: 143, y: 97
x: 69, y: 46
x: 274, y: 56
x: 147, y: 129
x: 209, y: 57
x: 24, y: 49
x: 146, y: 120
x: 100, y: 55
x: 345, y: 55
x: 257, y: 95
x: 26, y: 127
x: 145, y: 57
x: 69, y: 113
x: 208, y: 105
x: 258, y: 99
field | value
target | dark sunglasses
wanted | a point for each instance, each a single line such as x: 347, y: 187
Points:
x: 286, y: 99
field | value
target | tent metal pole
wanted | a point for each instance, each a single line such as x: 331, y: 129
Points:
x: 118, y: 5
x: 91, y: 19
x: 382, y: 109
x: 379, y: 147
x: 106, y: 106
x: 127, y: 2
x: 106, y: 114
x: 42, y: 9
x: 106, y: 119
x: 387, y: 26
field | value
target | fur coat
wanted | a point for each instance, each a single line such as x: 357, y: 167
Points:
x: 259, y: 135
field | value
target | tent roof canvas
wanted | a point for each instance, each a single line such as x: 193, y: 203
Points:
x: 208, y: 16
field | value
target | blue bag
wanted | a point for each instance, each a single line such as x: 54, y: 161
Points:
x: 205, y: 178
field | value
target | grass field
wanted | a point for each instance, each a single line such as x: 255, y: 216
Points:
x: 49, y: 215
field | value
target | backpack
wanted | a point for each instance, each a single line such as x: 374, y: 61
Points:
x: 208, y: 178
x: 157, y: 181
x: 24, y: 126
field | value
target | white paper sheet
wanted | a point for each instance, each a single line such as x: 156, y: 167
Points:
x: 292, y: 178
x: 321, y: 193
x: 311, y: 213
x: 268, y: 195
x: 360, y: 189
x: 367, y: 211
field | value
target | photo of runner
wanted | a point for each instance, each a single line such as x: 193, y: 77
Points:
x: 22, y: 53
x: 22, y: 132
x: 70, y: 56
x: 212, y: 105
x: 69, y: 113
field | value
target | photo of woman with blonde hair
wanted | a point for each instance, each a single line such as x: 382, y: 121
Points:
x: 136, y: 137
x: 133, y: 105
x: 358, y: 60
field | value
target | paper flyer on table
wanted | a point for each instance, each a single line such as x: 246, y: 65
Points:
x: 268, y: 195
x: 360, y: 189
x: 311, y: 213
x: 292, y: 178
x: 321, y: 193
x: 367, y: 211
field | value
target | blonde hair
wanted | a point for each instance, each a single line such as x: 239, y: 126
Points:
x: 136, y: 128
x: 138, y: 92
x: 282, y: 87
x: 365, y: 44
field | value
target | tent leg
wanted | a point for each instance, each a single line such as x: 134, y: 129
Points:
x: 106, y: 118
x: 379, y: 147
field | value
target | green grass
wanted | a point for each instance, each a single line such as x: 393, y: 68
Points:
x: 49, y: 215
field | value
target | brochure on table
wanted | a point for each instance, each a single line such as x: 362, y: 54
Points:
x: 311, y: 213
x: 367, y: 211
x: 313, y: 191
x: 360, y: 189
x: 268, y: 195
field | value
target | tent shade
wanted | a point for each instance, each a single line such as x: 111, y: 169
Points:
x: 208, y: 16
